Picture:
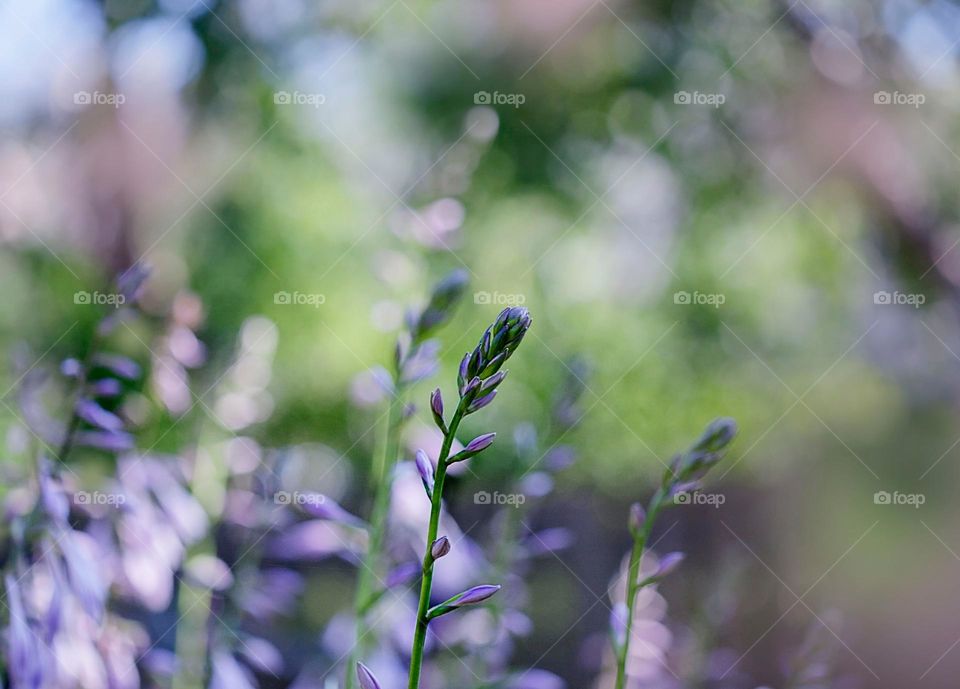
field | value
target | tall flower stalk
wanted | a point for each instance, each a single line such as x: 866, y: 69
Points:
x: 684, y: 476
x: 479, y: 378
x: 414, y: 360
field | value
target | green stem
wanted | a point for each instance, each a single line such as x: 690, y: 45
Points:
x: 426, y: 583
x: 383, y: 466
x: 634, y: 584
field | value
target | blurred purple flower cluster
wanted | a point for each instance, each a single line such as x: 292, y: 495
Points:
x: 189, y: 569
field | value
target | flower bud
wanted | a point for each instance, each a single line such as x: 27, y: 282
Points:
x: 425, y: 469
x: 471, y: 596
x: 474, y: 447
x: 436, y: 407
x: 366, y: 678
x: 440, y: 547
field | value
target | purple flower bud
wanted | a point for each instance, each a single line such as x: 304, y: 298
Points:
x: 471, y: 388
x: 471, y: 596
x: 440, y: 547
x: 95, y: 415
x: 481, y: 402
x: 474, y: 595
x: 425, y: 468
x: 366, y: 678
x: 637, y: 517
x: 480, y: 443
x: 668, y: 563
x: 463, y: 372
x: 436, y: 407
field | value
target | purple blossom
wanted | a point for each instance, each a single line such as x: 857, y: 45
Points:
x: 24, y: 654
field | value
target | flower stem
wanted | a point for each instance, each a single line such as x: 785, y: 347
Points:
x: 634, y: 584
x: 426, y: 583
x: 384, y: 460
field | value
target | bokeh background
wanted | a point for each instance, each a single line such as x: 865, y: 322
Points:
x: 726, y: 208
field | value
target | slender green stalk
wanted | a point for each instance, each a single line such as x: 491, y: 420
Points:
x: 634, y: 584
x: 426, y: 583
x: 386, y: 456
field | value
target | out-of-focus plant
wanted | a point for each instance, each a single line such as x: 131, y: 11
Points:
x: 683, y: 476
